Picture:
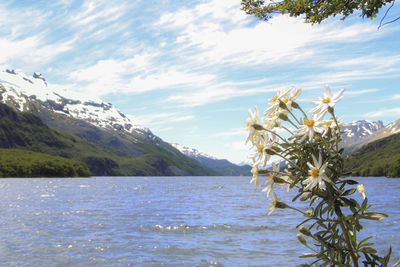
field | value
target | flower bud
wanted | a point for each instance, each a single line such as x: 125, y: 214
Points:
x: 282, y: 105
x: 310, y: 212
x: 280, y: 205
x: 258, y: 127
x: 305, y: 231
x: 301, y: 238
x: 361, y: 190
x: 295, y: 105
x: 270, y: 151
x: 283, y: 117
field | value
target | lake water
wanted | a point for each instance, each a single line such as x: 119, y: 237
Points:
x: 162, y: 221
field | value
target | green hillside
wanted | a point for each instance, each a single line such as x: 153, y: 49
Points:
x: 28, y: 132
x: 378, y: 158
x: 224, y: 167
x: 22, y: 163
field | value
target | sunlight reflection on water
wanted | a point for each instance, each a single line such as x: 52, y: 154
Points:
x: 142, y: 221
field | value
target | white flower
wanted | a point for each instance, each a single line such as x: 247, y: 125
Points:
x: 250, y: 122
x: 274, y: 110
x: 270, y: 179
x: 288, y: 178
x: 326, y: 101
x: 276, y: 204
x: 330, y: 124
x: 269, y: 123
x: 361, y: 190
x: 317, y: 174
x: 291, y: 97
x: 308, y: 129
x: 263, y: 143
x: 255, y: 178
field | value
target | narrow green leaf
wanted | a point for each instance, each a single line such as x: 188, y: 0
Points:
x: 374, y: 216
x: 364, y: 240
x: 349, y: 192
x: 352, y: 182
x: 368, y: 250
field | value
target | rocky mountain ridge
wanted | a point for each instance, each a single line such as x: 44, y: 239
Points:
x: 25, y: 93
x: 192, y: 152
x: 356, y: 131
x: 360, y: 133
x: 101, y: 123
x: 135, y: 150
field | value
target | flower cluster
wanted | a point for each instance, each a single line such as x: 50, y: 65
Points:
x: 311, y: 162
x: 266, y: 141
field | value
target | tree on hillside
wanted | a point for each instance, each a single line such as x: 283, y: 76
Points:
x: 316, y: 11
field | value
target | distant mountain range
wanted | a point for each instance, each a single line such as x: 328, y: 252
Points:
x: 360, y: 133
x: 115, y: 145
x: 372, y: 149
x: 359, y: 130
x: 85, y: 129
x: 222, y: 166
x: 380, y: 157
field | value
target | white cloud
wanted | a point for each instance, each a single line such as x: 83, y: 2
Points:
x: 396, y: 96
x: 96, y: 12
x: 240, y: 42
x: 383, y: 61
x: 359, y: 92
x: 31, y: 51
x: 390, y: 112
x: 331, y: 77
x: 169, y: 79
x: 233, y: 132
x: 155, y: 120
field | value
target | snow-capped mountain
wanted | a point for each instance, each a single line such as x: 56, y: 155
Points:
x: 25, y: 93
x: 117, y: 145
x: 221, y: 166
x: 390, y: 129
x: 357, y: 131
x: 192, y: 152
x: 360, y: 133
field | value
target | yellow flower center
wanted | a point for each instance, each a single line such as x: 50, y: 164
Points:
x: 329, y: 123
x: 314, y: 173
x: 260, y: 148
x: 270, y: 177
x: 308, y: 122
x: 273, y: 99
x: 285, y: 100
x: 326, y: 100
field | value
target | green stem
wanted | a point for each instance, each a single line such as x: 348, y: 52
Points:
x: 290, y: 162
x: 292, y: 123
x: 307, y: 215
x: 305, y: 115
x: 337, y: 127
x: 280, y: 137
x: 287, y: 130
x: 347, y: 239
x: 294, y: 117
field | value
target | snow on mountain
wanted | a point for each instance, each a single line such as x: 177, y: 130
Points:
x: 390, y: 129
x: 359, y: 130
x: 191, y: 152
x: 221, y: 166
x: 20, y: 90
x: 386, y: 131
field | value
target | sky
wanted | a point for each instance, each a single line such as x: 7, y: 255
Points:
x: 190, y: 70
